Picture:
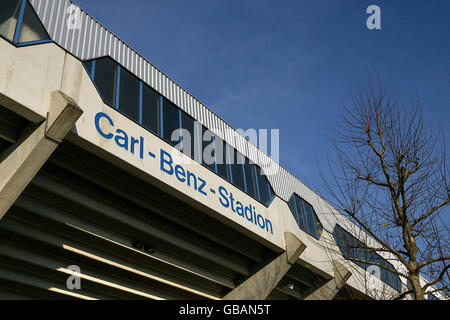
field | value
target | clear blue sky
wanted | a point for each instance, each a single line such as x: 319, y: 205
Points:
x: 284, y: 64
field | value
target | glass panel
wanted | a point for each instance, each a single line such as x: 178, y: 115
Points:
x: 264, y: 185
x: 150, y: 109
x: 269, y: 190
x: 396, y: 283
x: 32, y: 29
x: 250, y: 178
x: 129, y: 95
x: 188, y: 133
x: 9, y: 14
x: 88, y: 66
x: 105, y: 79
x: 237, y: 168
x: 171, y: 120
x: 345, y: 242
x: 293, y: 208
x: 208, y: 152
x: 310, y: 219
x: 221, y: 158
x: 317, y: 225
x: 301, y: 213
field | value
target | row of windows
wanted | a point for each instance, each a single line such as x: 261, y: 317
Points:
x: 305, y: 216
x: 138, y: 101
x: 20, y: 24
x: 353, y: 248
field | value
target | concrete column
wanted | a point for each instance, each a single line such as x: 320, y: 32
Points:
x: 261, y: 284
x: 20, y: 163
x: 329, y: 290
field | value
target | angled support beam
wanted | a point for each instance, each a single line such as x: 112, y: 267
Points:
x: 329, y: 290
x: 261, y: 284
x: 20, y: 163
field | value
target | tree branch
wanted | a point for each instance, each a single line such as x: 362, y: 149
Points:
x: 430, y: 212
x: 439, y: 278
x: 433, y: 261
x: 404, y: 294
x: 395, y: 252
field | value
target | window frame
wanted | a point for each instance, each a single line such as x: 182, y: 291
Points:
x: 22, y: 4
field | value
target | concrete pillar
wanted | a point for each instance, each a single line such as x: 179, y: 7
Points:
x: 20, y: 163
x: 329, y: 290
x: 261, y: 284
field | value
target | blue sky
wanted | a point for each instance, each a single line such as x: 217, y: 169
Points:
x: 284, y: 64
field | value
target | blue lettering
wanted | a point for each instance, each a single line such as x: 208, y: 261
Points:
x: 248, y: 209
x: 168, y: 162
x: 267, y: 226
x: 202, y: 185
x: 180, y: 173
x: 98, y: 116
x: 259, y: 218
x: 239, y: 208
x: 124, y: 137
x: 189, y: 176
x: 232, y: 202
x: 225, y: 201
x: 132, y: 143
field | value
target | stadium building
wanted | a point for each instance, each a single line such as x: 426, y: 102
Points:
x: 94, y: 189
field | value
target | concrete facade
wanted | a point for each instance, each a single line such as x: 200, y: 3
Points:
x: 19, y: 165
x: 262, y: 283
x: 50, y: 88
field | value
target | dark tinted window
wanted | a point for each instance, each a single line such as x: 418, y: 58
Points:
x: 105, y: 79
x: 317, y: 224
x: 88, y: 66
x: 250, y: 180
x: 9, y: 14
x: 188, y: 133
x: 309, y: 214
x: 237, y: 168
x: 300, y: 212
x: 129, y: 95
x: 221, y: 157
x: 305, y: 216
x: 264, y: 187
x: 171, y: 122
x: 207, y: 149
x: 150, y: 109
x: 293, y: 208
x: 32, y: 29
x: 348, y: 244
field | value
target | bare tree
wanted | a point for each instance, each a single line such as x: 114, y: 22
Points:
x: 390, y: 178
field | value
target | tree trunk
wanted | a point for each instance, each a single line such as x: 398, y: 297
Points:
x: 418, y: 291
